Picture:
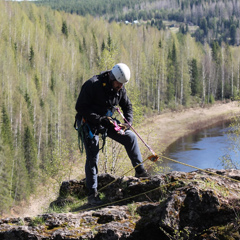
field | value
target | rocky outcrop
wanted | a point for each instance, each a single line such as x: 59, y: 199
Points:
x: 178, y: 205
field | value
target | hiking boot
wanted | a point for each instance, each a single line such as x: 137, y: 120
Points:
x: 94, y: 199
x: 143, y: 174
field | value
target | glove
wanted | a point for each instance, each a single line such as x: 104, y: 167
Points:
x: 105, y: 121
x: 124, y: 126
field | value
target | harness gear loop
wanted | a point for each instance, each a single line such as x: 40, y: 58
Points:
x: 104, y: 136
x: 80, y: 134
x: 84, y: 131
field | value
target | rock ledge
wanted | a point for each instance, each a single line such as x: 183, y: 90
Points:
x: 178, y: 205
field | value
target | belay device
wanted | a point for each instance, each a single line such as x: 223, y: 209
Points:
x: 117, y: 128
x: 154, y: 157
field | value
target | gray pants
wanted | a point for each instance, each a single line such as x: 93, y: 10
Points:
x: 129, y: 141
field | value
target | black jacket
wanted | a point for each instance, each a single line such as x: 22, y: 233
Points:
x: 97, y: 97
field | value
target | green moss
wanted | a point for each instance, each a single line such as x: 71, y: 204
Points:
x: 39, y: 220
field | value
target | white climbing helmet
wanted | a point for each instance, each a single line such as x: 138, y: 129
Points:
x: 121, y: 72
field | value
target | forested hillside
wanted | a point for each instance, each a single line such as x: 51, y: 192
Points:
x: 217, y: 20
x: 46, y: 55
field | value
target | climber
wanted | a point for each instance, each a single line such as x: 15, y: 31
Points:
x: 95, y: 106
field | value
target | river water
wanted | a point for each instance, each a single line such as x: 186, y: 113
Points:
x: 201, y: 149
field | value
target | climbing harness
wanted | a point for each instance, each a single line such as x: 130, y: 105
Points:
x: 85, y: 132
x: 154, y: 157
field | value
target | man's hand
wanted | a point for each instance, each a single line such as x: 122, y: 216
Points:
x: 124, y: 126
x: 105, y: 121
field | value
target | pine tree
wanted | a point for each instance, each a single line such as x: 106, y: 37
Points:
x: 65, y: 28
x: 6, y: 167
x: 30, y: 156
x: 203, y: 26
x: 172, y: 74
x: 52, y: 83
x: 21, y: 188
x: 5, y: 190
x: 103, y: 46
x: 233, y: 34
x: 6, y: 129
x: 29, y: 106
x: 31, y: 56
x: 109, y: 43
x: 194, y: 78
x: 216, y: 51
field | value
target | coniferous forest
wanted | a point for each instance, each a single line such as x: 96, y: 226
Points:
x: 47, y: 54
x: 216, y: 20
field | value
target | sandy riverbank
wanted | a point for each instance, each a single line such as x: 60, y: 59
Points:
x: 162, y: 130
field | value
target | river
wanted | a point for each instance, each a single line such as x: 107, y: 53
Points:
x: 201, y: 149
